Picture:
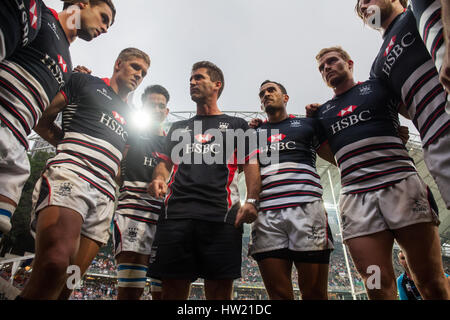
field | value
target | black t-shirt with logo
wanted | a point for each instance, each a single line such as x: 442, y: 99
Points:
x: 205, y: 152
x: 47, y: 58
x: 407, y: 68
x: 96, y: 131
x: 20, y: 21
x: 287, y: 157
x: 361, y: 126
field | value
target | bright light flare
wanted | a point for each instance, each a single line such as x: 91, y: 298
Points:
x: 141, y: 119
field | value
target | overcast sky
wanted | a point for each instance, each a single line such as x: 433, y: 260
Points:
x: 250, y: 40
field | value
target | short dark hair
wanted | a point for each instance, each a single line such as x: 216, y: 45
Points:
x: 213, y: 72
x: 282, y: 88
x: 156, y: 88
x: 68, y: 3
x: 404, y: 3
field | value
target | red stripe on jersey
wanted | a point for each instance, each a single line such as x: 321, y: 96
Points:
x: 16, y: 133
x: 49, y: 189
x: 163, y: 157
x: 113, y: 157
x: 232, y: 167
x: 175, y: 169
x: 65, y: 96
x: 431, y: 22
x: 107, y: 81
x: 55, y: 14
x: 25, y: 100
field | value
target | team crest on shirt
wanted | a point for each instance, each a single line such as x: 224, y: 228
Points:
x: 346, y: 111
x: 276, y: 138
x: 203, y: 138
x: 119, y: 118
x: 132, y: 234
x: 104, y: 92
x: 365, y: 90
x: 223, y: 126
x: 33, y: 14
x: 65, y: 189
x: 390, y: 46
x: 62, y: 63
x: 296, y: 123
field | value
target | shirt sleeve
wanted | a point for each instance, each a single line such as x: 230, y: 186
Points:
x: 72, y: 89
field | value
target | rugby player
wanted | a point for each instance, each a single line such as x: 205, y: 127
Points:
x: 20, y: 21
x: 29, y: 80
x: 382, y: 196
x: 433, y: 22
x: 137, y: 212
x: 407, y: 68
x: 73, y: 201
x: 292, y: 224
x: 199, y: 233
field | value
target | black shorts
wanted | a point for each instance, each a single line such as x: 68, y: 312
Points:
x: 321, y: 256
x: 190, y: 249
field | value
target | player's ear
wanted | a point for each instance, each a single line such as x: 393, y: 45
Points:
x: 285, y: 98
x: 350, y: 64
x: 167, y: 111
x: 82, y: 4
x: 117, y: 65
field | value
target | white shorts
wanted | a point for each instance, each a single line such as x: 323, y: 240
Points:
x: 405, y: 203
x: 133, y: 235
x: 437, y: 159
x: 62, y: 187
x: 14, y: 165
x: 302, y: 228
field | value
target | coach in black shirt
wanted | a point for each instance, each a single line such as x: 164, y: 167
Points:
x: 199, y: 232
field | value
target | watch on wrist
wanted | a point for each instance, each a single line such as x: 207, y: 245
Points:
x: 254, y: 202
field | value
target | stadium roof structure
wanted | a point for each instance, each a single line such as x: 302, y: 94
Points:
x: 329, y: 174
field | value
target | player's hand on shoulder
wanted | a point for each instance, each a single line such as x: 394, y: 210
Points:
x: 246, y: 214
x: 157, y: 188
x: 82, y: 69
x: 255, y: 123
x: 311, y: 109
x: 403, y: 133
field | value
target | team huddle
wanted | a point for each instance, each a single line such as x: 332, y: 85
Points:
x: 173, y: 197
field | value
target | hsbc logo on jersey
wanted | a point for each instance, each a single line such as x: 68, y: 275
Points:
x: 62, y: 63
x: 350, y: 119
x: 203, y: 138
x: 119, y: 118
x: 276, y: 138
x: 395, y: 50
x: 390, y: 46
x: 347, y: 111
x: 33, y: 14
x: 115, y: 124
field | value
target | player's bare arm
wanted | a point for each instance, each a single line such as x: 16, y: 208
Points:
x: 46, y: 127
x: 158, y: 187
x: 326, y: 154
x: 248, y: 212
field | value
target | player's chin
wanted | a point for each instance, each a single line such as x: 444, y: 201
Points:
x: 86, y: 36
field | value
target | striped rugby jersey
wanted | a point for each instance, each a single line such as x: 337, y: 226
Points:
x: 41, y: 69
x: 20, y: 21
x: 361, y: 127
x: 293, y: 179
x: 429, y: 23
x: 407, y: 67
x: 137, y: 171
x: 204, y: 180
x: 96, y: 130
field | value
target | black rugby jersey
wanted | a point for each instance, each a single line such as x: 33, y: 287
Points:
x: 47, y: 58
x: 96, y: 130
x: 20, y: 21
x: 205, y: 154
x: 361, y: 126
x: 287, y: 154
x: 429, y: 23
x: 406, y: 65
x: 137, y: 172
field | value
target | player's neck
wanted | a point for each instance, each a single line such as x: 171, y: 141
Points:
x: 121, y: 92
x: 386, y: 24
x: 66, y: 20
x: 277, y: 116
x: 208, y: 108
x: 344, y: 86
